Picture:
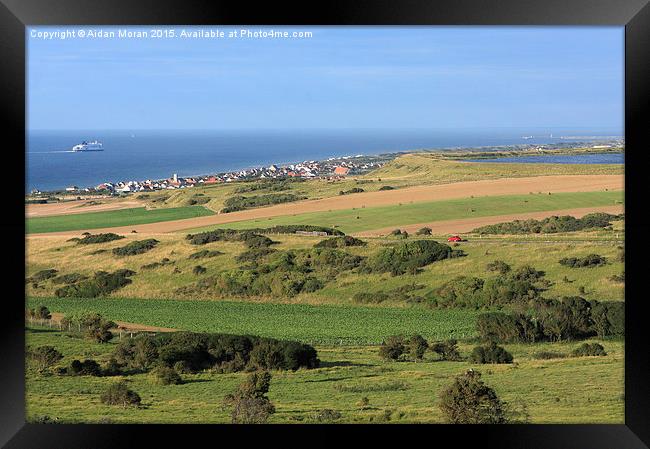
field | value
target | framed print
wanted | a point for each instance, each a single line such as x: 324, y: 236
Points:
x: 380, y: 214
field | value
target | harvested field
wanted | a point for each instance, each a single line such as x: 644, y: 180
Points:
x: 468, y: 224
x: 78, y: 207
x: 504, y: 186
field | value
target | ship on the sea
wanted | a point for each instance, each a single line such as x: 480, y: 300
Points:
x: 88, y: 146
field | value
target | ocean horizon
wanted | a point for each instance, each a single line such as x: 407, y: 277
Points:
x: 157, y: 154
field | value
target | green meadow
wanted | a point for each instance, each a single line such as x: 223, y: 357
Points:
x: 570, y: 390
x: 363, y: 219
x: 123, y: 217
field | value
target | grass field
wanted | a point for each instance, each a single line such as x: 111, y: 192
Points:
x: 573, y: 390
x: 363, y: 219
x: 55, y: 252
x: 315, y: 324
x: 429, y: 168
x: 122, y: 217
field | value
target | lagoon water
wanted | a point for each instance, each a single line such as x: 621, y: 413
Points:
x: 138, y: 155
x: 602, y: 158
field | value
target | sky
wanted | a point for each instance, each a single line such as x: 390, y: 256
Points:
x: 341, y: 77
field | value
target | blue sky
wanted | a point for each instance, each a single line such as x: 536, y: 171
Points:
x: 342, y: 77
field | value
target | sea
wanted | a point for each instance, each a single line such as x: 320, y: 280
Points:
x: 157, y: 154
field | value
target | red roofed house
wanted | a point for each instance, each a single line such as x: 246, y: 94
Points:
x: 341, y: 170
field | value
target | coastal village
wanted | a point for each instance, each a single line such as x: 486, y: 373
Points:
x: 331, y: 169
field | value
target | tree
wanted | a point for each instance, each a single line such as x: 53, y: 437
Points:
x: 392, y: 348
x: 97, y: 328
x: 249, y: 403
x: 499, y: 266
x: 43, y: 357
x: 424, y: 231
x: 469, y: 401
x: 447, y: 350
x: 490, y: 354
x: 416, y: 346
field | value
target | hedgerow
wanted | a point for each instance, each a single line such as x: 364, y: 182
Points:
x: 235, y: 203
x: 340, y: 242
x: 549, y: 225
x: 589, y: 261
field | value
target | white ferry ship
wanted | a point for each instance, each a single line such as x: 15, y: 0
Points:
x: 88, y: 146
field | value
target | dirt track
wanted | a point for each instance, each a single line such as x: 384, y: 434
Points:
x: 467, y: 224
x: 77, y: 207
x: 505, y: 186
x: 128, y: 327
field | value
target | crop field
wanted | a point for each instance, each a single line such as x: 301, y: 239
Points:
x: 122, y: 217
x: 571, y: 390
x: 312, y: 324
x: 363, y: 219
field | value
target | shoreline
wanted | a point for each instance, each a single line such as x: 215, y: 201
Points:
x: 614, y: 146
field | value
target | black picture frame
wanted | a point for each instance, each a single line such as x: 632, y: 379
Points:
x: 633, y: 14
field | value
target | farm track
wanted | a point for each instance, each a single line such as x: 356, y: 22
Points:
x: 123, y: 325
x: 504, y: 186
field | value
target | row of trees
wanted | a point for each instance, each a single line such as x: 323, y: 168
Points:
x: 568, y: 318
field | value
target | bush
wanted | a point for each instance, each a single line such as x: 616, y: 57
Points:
x: 119, y: 394
x: 392, y: 348
x: 340, y: 242
x: 42, y: 275
x: 136, y: 247
x: 469, y: 401
x: 101, y: 284
x: 387, y: 188
x: 70, y: 278
x: 447, y: 350
x: 223, y: 352
x: 416, y: 346
x: 352, y: 190
x: 88, y: 367
x: 327, y: 415
x: 199, y: 270
x: 423, y: 231
x: 490, y: 354
x: 162, y: 263
x: 99, y: 238
x: 235, y: 203
x: 500, y: 327
x: 40, y: 313
x: 249, y: 403
x: 589, y: 349
x: 165, y: 375
x: 43, y: 357
x: 205, y: 254
x: 591, y: 260
x: 408, y: 256
x: 499, y: 266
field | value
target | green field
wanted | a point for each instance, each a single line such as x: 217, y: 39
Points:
x: 316, y: 324
x: 363, y: 219
x: 572, y: 390
x: 124, y: 217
